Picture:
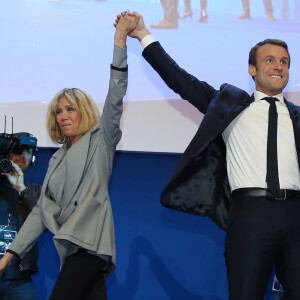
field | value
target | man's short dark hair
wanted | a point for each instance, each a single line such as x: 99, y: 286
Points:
x: 253, y: 50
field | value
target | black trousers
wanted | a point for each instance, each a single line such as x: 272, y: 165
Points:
x: 81, y: 278
x: 262, y: 234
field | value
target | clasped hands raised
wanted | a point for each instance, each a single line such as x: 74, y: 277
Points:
x: 132, y: 24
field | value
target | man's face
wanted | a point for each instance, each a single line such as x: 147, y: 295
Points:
x: 23, y: 159
x: 271, y: 72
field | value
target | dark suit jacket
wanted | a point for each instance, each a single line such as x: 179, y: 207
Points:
x: 199, y: 184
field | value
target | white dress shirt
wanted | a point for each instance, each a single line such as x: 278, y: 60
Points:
x: 246, y: 144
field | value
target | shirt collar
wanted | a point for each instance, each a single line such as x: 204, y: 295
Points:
x: 259, y: 95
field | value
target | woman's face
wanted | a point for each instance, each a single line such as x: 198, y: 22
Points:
x: 68, y: 119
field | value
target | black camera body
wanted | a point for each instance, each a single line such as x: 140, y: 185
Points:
x: 14, y: 143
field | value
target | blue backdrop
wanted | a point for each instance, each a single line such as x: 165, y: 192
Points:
x: 161, y: 254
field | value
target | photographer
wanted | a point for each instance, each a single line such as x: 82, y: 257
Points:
x: 17, y: 198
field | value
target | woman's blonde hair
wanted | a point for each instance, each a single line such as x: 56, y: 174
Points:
x: 81, y: 102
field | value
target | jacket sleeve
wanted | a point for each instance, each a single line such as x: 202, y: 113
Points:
x: 28, y: 234
x: 29, y: 198
x: 198, y: 93
x: 113, y: 107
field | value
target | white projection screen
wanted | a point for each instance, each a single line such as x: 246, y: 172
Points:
x: 48, y: 45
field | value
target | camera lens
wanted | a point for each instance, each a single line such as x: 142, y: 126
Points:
x: 5, y: 165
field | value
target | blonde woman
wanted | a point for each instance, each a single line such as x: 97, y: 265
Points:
x: 74, y: 203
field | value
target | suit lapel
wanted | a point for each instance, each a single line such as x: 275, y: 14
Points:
x: 225, y: 109
x: 222, y: 111
x: 294, y: 115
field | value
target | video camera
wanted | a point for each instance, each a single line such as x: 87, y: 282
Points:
x: 16, y: 144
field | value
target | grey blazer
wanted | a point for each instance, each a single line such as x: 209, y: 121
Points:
x: 83, y: 215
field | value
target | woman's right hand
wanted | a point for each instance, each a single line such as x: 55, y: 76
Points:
x: 124, y: 25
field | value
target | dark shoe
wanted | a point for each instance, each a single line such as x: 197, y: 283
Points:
x: 245, y: 15
x: 270, y: 18
x: 165, y: 25
x: 203, y: 19
x: 187, y: 14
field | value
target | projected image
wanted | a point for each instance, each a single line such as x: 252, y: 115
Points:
x: 48, y: 45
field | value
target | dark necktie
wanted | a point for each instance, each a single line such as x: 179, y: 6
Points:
x: 272, y: 177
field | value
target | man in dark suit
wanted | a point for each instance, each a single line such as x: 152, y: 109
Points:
x: 222, y: 173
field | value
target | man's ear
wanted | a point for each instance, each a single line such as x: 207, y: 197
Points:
x: 252, y: 70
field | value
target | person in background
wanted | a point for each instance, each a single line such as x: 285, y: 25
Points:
x: 235, y: 172
x: 268, y: 10
x: 74, y: 203
x: 17, y: 198
x: 188, y: 13
x: 170, y: 19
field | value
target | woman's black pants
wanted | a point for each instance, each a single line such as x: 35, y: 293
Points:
x: 81, y: 278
